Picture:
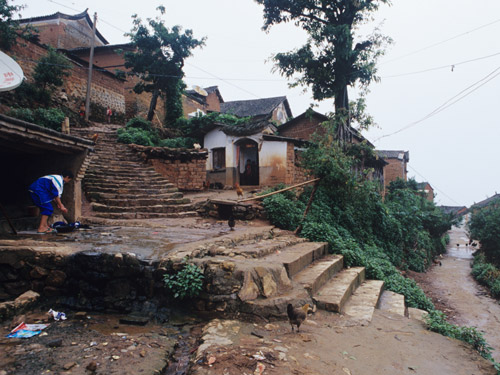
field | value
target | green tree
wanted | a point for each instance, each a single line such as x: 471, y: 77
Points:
x: 330, y: 62
x: 158, y: 60
x: 485, y: 227
x: 9, y: 27
x: 51, y: 70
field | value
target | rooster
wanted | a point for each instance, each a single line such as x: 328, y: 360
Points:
x: 239, y: 190
x: 94, y: 137
x: 297, y: 315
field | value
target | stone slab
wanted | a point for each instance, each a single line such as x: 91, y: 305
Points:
x: 334, y: 294
x: 317, y: 274
x: 296, y: 258
x: 393, y: 303
x: 360, y: 307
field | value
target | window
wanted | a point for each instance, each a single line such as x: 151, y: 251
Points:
x: 218, y: 158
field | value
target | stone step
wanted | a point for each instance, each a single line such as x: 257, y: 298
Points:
x: 360, y: 307
x: 317, y: 274
x: 334, y: 294
x: 130, y: 184
x: 261, y: 247
x: 123, y: 190
x: 297, y: 257
x: 176, y: 205
x: 118, y: 178
x: 96, y: 164
x: 151, y: 201
x: 143, y: 215
x: 393, y: 303
x: 98, y: 197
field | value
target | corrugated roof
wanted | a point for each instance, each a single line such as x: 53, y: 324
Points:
x: 255, y: 107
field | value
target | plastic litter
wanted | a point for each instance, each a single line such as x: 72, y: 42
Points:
x: 24, y: 330
x: 57, y: 315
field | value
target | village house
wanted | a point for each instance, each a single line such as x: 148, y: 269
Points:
x: 397, y: 165
x: 426, y: 190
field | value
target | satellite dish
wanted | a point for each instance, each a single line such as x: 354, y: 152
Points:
x: 200, y: 90
x: 11, y: 74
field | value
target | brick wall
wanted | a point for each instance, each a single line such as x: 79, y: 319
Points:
x: 294, y: 173
x: 185, y: 175
x: 303, y: 128
x: 106, y: 89
x: 189, y: 106
x: 394, y: 170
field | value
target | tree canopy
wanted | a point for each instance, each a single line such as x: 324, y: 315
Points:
x: 158, y: 59
x: 51, y: 70
x: 331, y: 61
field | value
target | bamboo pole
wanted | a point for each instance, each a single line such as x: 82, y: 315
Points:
x: 299, y: 228
x: 279, y: 191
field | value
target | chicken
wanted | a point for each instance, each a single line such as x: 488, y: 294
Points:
x: 297, y: 315
x: 239, y: 190
x: 437, y: 262
x: 231, y: 222
x: 94, y: 137
x: 196, y: 146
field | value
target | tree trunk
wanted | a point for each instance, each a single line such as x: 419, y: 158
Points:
x: 152, y: 105
x: 342, y: 116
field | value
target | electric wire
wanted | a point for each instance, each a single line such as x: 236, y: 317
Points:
x: 433, y: 185
x: 455, y: 99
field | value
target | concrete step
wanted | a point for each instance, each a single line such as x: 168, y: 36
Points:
x: 91, y: 178
x: 105, y: 197
x: 360, y: 307
x: 129, y: 185
x: 393, y: 303
x: 297, y: 257
x: 334, y: 294
x: 175, y: 205
x: 317, y: 274
x: 122, y: 172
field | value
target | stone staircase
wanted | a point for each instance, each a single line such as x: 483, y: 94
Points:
x: 274, y: 268
x: 119, y: 185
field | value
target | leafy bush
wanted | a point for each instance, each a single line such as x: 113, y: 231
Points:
x: 486, y: 274
x: 51, y: 118
x: 188, y: 282
x: 436, y: 322
x: 30, y: 95
x: 139, y: 123
x: 179, y: 142
x: 283, y: 212
x: 485, y: 227
x: 136, y: 136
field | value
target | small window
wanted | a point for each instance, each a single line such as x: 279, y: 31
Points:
x: 219, y: 158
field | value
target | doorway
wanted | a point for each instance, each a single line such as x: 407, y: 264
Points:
x: 248, y: 162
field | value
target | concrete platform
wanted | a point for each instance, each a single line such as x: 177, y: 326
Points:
x: 295, y: 258
x: 392, y: 302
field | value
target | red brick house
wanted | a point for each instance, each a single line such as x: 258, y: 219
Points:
x: 426, y: 190
x: 397, y: 165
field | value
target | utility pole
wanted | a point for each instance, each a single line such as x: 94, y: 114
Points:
x: 91, y: 63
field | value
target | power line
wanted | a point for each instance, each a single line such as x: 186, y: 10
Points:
x: 441, y: 42
x: 455, y: 99
x: 452, y: 66
x: 433, y: 185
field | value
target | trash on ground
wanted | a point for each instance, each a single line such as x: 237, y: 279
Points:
x: 57, y: 315
x: 23, y: 330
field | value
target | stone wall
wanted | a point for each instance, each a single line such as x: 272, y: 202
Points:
x: 185, y: 168
x: 106, y: 89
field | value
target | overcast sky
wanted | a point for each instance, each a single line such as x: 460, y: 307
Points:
x: 442, y: 51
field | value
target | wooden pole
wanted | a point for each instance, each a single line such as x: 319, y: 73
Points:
x: 279, y: 191
x: 299, y: 228
x: 91, y: 63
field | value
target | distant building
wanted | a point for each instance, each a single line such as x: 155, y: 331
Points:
x: 277, y: 108
x: 426, y: 189
x: 397, y: 165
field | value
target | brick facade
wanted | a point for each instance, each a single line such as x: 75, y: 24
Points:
x: 185, y: 175
x: 106, y: 89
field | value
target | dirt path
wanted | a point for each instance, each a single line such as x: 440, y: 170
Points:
x: 453, y: 289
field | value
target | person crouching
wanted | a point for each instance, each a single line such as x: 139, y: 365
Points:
x: 45, y: 190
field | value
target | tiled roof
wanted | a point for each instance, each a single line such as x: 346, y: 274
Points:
x: 255, y: 107
x: 394, y: 154
x: 486, y: 201
x: 75, y: 17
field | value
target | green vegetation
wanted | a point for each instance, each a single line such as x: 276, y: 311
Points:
x: 158, y: 60
x: 50, y: 118
x: 141, y: 132
x: 486, y: 274
x: 10, y: 29
x: 436, y: 322
x: 187, y: 282
x: 485, y: 227
x: 51, y: 70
